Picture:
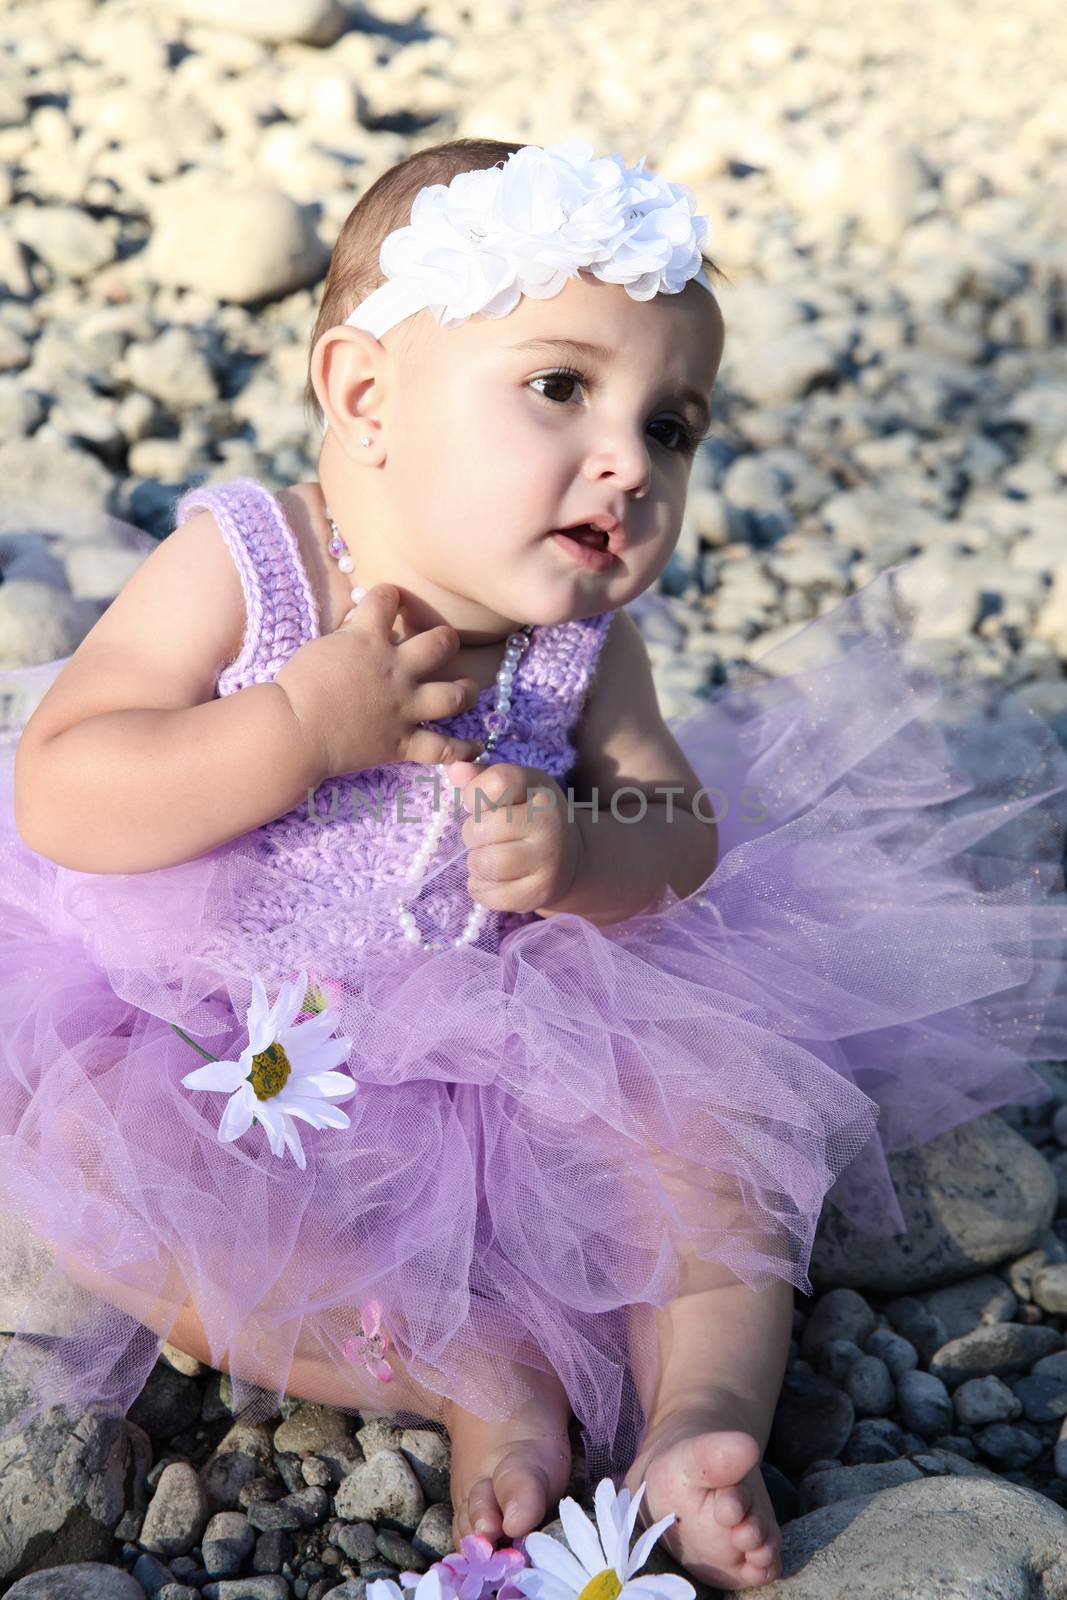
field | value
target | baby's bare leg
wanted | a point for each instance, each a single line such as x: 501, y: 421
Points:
x: 171, y: 1312
x: 709, y: 1398
x: 521, y: 1461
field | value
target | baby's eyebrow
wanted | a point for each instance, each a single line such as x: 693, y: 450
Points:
x: 597, y: 352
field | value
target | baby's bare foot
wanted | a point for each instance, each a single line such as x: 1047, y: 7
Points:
x: 725, y: 1535
x: 506, y: 1476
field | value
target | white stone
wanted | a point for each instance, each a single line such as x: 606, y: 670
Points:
x: 274, y: 21
x: 244, y: 242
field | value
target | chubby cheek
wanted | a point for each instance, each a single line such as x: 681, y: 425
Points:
x: 515, y: 470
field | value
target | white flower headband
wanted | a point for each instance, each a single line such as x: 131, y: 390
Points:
x: 525, y: 227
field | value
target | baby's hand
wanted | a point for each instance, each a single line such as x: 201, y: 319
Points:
x: 528, y: 862
x: 361, y: 697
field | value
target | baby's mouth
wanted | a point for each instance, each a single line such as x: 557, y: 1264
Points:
x: 585, y: 533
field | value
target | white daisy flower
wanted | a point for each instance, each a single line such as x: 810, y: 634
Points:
x: 428, y: 1587
x: 602, y: 1565
x: 283, y: 1072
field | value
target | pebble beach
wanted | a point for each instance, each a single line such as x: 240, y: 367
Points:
x: 887, y: 193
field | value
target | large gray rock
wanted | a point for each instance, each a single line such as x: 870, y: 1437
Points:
x: 972, y: 1198
x: 63, y: 1485
x: 82, y: 1580
x: 955, y: 1538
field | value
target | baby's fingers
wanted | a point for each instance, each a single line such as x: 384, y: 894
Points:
x: 446, y: 697
x: 379, y: 605
x: 430, y: 747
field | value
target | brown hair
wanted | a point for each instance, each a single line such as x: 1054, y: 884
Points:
x: 354, y: 269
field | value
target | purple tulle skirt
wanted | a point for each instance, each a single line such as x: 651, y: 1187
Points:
x: 548, y: 1130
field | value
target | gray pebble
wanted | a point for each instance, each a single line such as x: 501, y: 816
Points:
x: 956, y: 1443
x: 1012, y: 1447
x: 267, y: 1587
x: 869, y: 1386
x: 984, y: 1298
x: 999, y: 1348
x: 151, y: 1574
x: 315, y: 1472
x: 259, y: 1489
x: 835, y: 1358
x: 274, y: 1516
x: 273, y: 1549
x: 924, y: 1331
x: 925, y: 1403
x: 1050, y: 1287
x: 309, y: 1427
x: 898, y: 1353
x: 813, y: 1418
x: 434, y: 1533
x: 382, y: 1488
x: 400, y: 1551
x: 228, y: 1538
x: 183, y: 1568
x: 1043, y: 1396
x: 357, y: 1541
x: 287, y: 1465
x: 177, y: 1513
x: 874, y: 1439
x: 840, y: 1314
x: 982, y: 1400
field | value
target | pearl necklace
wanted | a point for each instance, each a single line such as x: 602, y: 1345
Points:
x: 497, y: 722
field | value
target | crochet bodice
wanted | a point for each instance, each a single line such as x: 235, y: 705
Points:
x: 363, y: 841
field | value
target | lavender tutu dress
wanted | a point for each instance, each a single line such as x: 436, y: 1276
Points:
x: 550, y: 1113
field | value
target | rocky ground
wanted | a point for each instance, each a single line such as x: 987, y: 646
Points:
x: 887, y: 191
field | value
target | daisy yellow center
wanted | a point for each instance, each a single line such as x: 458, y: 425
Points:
x: 605, y: 1586
x: 314, y: 1000
x: 270, y: 1071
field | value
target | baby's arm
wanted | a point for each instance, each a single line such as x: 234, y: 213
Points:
x: 623, y: 743
x: 129, y: 763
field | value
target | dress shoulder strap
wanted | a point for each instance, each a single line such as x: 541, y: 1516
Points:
x: 280, y: 607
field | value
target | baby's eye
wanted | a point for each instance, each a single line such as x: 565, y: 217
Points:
x: 686, y: 438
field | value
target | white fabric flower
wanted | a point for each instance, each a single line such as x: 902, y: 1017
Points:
x: 525, y: 227
x: 602, y: 1555
x: 282, y: 1073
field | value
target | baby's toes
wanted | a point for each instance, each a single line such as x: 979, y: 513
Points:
x: 765, y: 1554
x: 733, y: 1504
x: 483, y: 1511
x: 523, y: 1500
x: 749, y: 1535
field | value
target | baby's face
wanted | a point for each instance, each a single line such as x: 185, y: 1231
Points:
x: 489, y: 453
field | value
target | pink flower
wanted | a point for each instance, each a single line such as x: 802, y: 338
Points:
x: 507, y: 1589
x: 370, y: 1345
x: 477, y: 1567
